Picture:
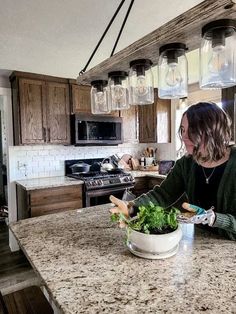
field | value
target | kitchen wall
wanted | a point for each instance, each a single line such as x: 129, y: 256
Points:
x: 43, y: 161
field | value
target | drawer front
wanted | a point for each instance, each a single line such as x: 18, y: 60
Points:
x: 154, y: 181
x: 141, y: 186
x: 52, y: 200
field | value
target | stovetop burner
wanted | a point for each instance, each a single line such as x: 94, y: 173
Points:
x: 96, y: 174
x: 103, y: 179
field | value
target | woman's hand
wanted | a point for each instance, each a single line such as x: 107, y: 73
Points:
x: 121, y: 208
x: 197, y: 215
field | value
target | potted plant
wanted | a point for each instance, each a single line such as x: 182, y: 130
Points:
x: 153, y: 233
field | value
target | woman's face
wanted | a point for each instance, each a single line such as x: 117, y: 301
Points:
x: 184, y: 132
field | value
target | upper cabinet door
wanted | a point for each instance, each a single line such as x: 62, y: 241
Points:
x: 147, y: 116
x: 155, y: 121
x: 130, y: 124
x: 58, y: 113
x: 229, y: 105
x: 163, y: 120
x: 32, y: 120
x: 81, y: 102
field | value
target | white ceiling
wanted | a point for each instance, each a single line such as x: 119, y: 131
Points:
x: 56, y: 37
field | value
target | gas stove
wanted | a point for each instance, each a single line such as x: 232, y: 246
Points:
x: 99, y: 185
x: 98, y: 180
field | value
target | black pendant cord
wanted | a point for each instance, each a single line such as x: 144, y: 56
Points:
x: 122, y: 26
x: 106, y: 30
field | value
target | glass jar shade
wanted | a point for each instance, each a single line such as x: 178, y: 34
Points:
x: 141, y: 82
x: 217, y: 55
x: 118, y: 90
x: 172, y: 71
x: 99, y: 97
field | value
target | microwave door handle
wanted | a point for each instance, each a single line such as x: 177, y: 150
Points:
x: 87, y: 130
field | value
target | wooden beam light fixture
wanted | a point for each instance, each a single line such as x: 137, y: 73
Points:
x: 186, y: 28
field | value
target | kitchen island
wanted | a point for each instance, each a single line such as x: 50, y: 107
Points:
x: 85, y: 266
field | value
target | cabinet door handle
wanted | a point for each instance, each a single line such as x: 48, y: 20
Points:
x: 44, y: 134
x: 49, y: 135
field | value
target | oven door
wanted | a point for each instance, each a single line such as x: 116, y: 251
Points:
x: 101, y: 196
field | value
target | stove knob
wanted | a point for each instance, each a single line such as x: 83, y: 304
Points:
x: 100, y: 182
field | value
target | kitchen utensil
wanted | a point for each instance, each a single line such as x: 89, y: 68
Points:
x: 96, y: 166
x: 115, y: 160
x: 123, y: 165
x: 135, y: 163
x: 149, y: 161
x: 107, y: 165
x: 80, y: 167
x: 126, y: 158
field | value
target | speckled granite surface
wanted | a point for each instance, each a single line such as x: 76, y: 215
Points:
x: 137, y: 173
x: 86, y: 267
x: 48, y: 182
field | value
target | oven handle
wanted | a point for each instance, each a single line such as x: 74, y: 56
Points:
x: 108, y: 190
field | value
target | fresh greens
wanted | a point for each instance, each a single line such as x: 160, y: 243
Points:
x: 151, y: 219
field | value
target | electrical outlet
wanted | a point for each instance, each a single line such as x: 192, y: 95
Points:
x: 21, y: 165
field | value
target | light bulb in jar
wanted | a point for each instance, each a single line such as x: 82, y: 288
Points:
x: 141, y: 88
x: 173, y: 76
x: 118, y: 93
x: 218, y: 63
x: 100, y: 101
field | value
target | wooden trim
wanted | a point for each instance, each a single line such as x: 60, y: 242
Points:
x: 185, y: 28
x: 35, y: 76
x: 229, y: 104
x: 74, y: 81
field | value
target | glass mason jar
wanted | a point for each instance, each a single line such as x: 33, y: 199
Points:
x: 141, y: 90
x: 172, y: 71
x: 118, y: 90
x: 99, y: 97
x: 218, y: 54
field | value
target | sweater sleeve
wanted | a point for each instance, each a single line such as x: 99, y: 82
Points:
x: 168, y: 192
x: 227, y: 223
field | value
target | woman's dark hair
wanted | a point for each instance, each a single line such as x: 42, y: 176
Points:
x: 210, y: 125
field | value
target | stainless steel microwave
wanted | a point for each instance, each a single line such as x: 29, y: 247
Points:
x: 96, y: 130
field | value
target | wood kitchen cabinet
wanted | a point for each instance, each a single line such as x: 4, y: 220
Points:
x: 80, y: 99
x: 48, y: 200
x: 130, y: 117
x: 228, y: 104
x: 145, y: 184
x: 155, y: 121
x: 41, y: 109
x: 152, y: 181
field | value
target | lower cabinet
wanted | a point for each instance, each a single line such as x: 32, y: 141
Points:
x: 47, y: 201
x: 145, y: 184
x: 154, y: 181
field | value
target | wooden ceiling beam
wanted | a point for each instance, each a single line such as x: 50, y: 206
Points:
x: 185, y: 28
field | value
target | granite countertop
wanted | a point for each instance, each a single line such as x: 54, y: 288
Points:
x: 47, y: 182
x: 143, y: 173
x: 50, y: 182
x: 86, y: 267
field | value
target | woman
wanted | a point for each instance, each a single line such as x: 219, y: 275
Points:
x: 207, y: 174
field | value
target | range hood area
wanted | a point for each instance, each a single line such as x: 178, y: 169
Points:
x: 185, y: 28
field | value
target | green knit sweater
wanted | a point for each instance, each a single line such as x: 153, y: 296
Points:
x: 182, y: 180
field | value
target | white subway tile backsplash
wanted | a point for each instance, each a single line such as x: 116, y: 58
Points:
x: 43, y: 161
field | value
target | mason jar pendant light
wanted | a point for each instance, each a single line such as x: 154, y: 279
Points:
x: 141, y: 82
x: 172, y: 71
x: 217, y: 54
x: 118, y: 90
x: 99, y: 97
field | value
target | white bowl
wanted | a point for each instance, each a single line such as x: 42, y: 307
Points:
x: 154, y: 245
